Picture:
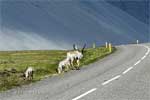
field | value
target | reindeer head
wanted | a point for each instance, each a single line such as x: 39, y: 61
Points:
x: 83, y: 48
x: 76, y: 48
x: 79, y: 53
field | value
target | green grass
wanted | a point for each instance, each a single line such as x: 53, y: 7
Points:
x: 45, y: 62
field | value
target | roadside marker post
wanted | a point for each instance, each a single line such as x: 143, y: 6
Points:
x: 137, y: 41
x: 106, y: 44
x: 110, y: 47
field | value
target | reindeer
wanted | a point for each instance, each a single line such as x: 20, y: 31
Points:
x: 75, y: 56
x: 63, y: 64
x: 29, y: 73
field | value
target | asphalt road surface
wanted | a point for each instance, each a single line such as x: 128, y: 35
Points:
x: 124, y: 75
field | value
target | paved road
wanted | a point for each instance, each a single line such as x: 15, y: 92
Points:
x: 124, y: 75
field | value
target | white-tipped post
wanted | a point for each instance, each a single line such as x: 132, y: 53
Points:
x: 137, y: 41
x: 106, y: 44
x: 110, y: 47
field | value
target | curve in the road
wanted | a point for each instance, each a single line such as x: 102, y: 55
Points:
x: 118, y: 76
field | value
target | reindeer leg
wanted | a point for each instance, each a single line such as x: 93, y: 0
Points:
x: 78, y: 64
x: 68, y: 67
x: 32, y: 76
x: 72, y: 65
x: 29, y: 78
x: 59, y: 70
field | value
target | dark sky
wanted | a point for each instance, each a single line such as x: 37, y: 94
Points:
x: 58, y: 24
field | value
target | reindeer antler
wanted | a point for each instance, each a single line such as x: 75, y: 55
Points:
x: 83, y: 48
x: 75, y: 47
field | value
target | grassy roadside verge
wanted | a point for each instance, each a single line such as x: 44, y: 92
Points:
x: 45, y: 62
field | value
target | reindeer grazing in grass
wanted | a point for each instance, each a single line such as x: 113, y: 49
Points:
x: 29, y: 73
x: 75, y: 56
x: 64, y: 64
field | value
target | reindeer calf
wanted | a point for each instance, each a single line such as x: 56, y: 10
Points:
x: 29, y: 73
x: 63, y: 64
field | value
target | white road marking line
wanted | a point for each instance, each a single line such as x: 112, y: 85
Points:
x: 84, y: 94
x: 137, y: 62
x: 147, y: 53
x: 148, y: 50
x: 114, y: 78
x: 127, y: 70
x: 143, y: 57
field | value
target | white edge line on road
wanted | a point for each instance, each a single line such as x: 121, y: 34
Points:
x: 137, y: 62
x: 114, y: 78
x: 148, y: 50
x: 146, y: 53
x: 84, y: 94
x: 143, y: 57
x: 127, y: 70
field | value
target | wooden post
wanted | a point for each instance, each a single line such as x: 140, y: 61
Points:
x: 110, y: 47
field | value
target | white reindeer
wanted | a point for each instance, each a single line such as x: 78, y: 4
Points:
x: 75, y: 56
x: 63, y: 64
x: 29, y: 73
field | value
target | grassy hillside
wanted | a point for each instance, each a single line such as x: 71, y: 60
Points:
x: 14, y: 63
